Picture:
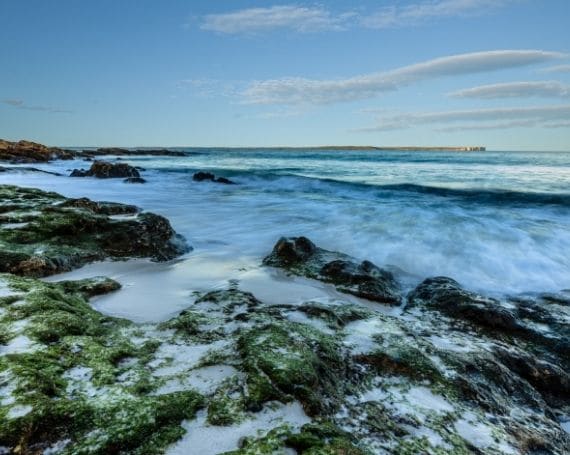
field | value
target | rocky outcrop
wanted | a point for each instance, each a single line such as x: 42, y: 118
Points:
x: 31, y: 152
x: 106, y: 170
x: 519, y: 317
x: 209, y: 177
x: 364, y: 279
x: 59, y: 234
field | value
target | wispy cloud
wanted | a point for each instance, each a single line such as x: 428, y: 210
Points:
x: 557, y: 69
x: 422, y: 12
x: 20, y: 104
x: 495, y: 118
x: 297, y: 18
x: 317, y: 18
x: 541, y: 89
x: 289, y: 91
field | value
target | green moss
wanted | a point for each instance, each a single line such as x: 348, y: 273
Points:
x: 69, y: 334
x: 285, y: 360
x: 62, y: 234
x: 397, y: 355
x: 313, y: 439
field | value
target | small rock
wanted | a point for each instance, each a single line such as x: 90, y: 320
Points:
x: 134, y: 180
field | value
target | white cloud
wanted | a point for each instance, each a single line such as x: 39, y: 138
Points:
x: 557, y: 69
x: 544, y: 89
x: 494, y: 118
x: 310, y: 91
x: 297, y: 18
x: 20, y: 104
x: 399, y: 16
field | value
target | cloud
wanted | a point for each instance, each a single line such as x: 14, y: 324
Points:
x: 311, y: 91
x: 19, y: 104
x: 297, y: 18
x: 557, y: 69
x: 543, y: 89
x: 544, y: 116
x: 418, y: 13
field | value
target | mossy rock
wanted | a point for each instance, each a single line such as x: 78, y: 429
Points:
x: 61, y: 234
x: 286, y: 360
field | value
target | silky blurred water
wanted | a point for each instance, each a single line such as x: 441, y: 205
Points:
x: 496, y: 222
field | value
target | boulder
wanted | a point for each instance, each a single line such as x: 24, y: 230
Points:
x: 364, y: 279
x: 105, y: 170
x: 209, y: 177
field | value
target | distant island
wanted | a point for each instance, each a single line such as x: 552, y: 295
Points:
x: 406, y: 148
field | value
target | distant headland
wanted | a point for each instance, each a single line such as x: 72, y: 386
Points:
x: 406, y: 148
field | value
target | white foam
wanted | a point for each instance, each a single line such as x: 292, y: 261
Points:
x: 171, y: 359
x: 205, y: 439
x: 204, y: 380
x: 18, y: 345
x: 18, y: 411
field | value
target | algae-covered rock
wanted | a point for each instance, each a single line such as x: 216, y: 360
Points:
x: 60, y: 376
x: 286, y: 360
x: 302, y: 257
x: 60, y: 234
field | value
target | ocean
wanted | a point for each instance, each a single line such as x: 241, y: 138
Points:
x: 497, y: 222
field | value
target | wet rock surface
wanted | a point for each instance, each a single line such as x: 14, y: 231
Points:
x: 31, y: 152
x: 58, y: 234
x: 300, y: 256
x: 209, y: 177
x: 107, y: 170
x: 451, y: 372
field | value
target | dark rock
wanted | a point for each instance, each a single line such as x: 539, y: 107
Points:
x: 134, y: 180
x: 300, y: 256
x: 518, y: 320
x: 224, y: 180
x: 446, y: 295
x: 104, y: 170
x: 104, y: 208
x: 208, y: 176
x: 549, y: 379
x: 289, y: 251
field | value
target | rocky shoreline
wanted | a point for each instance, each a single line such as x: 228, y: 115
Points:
x: 451, y: 371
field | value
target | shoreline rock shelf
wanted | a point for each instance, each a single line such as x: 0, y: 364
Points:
x: 452, y: 372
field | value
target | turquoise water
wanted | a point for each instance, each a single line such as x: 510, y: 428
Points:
x: 496, y: 222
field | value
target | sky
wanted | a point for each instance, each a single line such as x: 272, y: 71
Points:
x: 494, y: 73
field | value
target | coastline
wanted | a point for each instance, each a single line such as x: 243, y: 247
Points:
x: 317, y: 349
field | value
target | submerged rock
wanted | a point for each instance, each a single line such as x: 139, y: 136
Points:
x: 105, y: 170
x: 302, y: 257
x: 134, y: 180
x: 208, y: 176
x: 61, y: 234
x: 32, y: 152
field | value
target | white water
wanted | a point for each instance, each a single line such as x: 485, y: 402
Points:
x: 491, y: 247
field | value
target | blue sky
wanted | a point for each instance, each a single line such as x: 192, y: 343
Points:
x: 235, y: 73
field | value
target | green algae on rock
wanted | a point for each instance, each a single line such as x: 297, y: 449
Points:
x: 300, y: 256
x: 60, y: 376
x: 58, y: 234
